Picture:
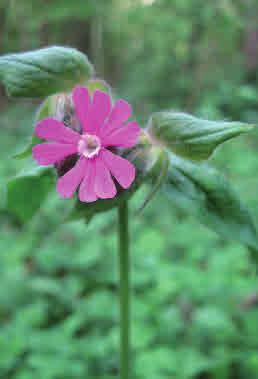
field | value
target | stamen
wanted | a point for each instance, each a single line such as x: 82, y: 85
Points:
x: 89, y: 145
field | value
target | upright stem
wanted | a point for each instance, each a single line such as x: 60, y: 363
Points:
x: 124, y: 266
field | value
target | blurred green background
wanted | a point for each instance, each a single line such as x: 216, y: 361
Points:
x: 195, y: 306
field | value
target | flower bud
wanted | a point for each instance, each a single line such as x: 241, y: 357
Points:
x: 64, y: 111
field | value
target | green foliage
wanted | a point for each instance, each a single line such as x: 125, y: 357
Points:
x: 94, y: 84
x: 205, y: 193
x: 195, y: 293
x: 43, y: 72
x: 26, y: 193
x: 195, y: 296
x: 191, y: 137
x: 46, y: 109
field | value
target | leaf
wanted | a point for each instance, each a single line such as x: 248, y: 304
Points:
x: 26, y: 193
x: 46, y: 109
x: 191, y: 137
x: 204, y: 193
x: 27, y: 149
x: 159, y: 175
x: 44, y: 72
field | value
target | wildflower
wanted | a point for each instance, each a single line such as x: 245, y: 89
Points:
x: 102, y: 127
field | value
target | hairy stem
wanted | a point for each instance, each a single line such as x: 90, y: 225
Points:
x: 124, y: 290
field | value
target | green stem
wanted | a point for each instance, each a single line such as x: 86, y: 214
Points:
x: 124, y: 290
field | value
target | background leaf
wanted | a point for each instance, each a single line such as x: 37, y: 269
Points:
x: 204, y: 193
x: 46, y: 109
x: 26, y: 193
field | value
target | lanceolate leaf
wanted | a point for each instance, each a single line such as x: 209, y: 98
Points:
x: 44, y: 72
x: 204, y: 193
x: 191, y: 137
x: 26, y: 193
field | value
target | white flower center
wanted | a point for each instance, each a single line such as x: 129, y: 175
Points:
x: 89, y: 145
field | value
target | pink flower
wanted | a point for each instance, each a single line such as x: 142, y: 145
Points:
x: 103, y: 127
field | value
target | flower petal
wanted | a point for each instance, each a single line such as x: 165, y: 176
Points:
x: 68, y: 183
x: 125, y: 136
x: 99, y: 111
x: 50, y: 153
x: 53, y: 130
x: 121, y: 111
x: 81, y: 100
x: 120, y: 168
x: 104, y: 186
x: 86, y: 192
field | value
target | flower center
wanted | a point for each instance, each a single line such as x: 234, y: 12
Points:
x: 89, y: 145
